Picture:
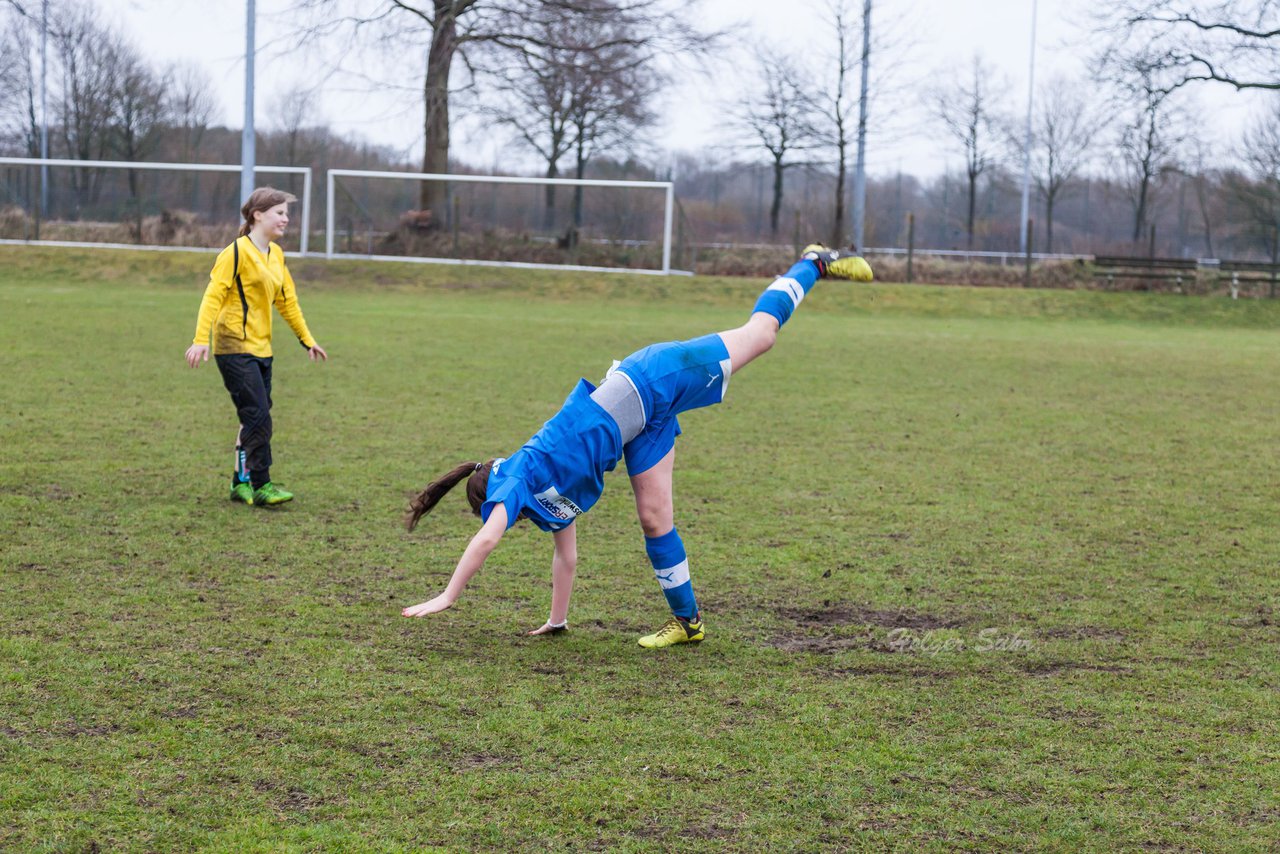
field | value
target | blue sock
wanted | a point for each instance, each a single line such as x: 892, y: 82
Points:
x: 671, y: 566
x: 784, y: 295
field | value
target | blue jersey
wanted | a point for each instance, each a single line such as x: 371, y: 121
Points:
x: 559, y: 473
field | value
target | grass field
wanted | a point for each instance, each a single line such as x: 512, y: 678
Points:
x: 982, y: 569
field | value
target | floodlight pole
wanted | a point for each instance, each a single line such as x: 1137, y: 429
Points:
x: 1026, y: 152
x: 860, y: 169
x: 247, y: 154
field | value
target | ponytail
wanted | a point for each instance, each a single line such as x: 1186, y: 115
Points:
x: 477, y: 485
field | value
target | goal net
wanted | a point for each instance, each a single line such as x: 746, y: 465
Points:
x: 503, y: 221
x: 137, y: 204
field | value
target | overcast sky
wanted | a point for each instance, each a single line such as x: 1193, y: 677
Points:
x: 940, y: 37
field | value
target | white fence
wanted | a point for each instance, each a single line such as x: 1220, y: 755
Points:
x: 1002, y: 258
x: 667, y: 187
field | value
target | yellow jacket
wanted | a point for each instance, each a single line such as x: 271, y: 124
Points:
x: 237, y: 303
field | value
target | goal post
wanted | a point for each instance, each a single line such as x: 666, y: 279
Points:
x: 130, y: 165
x: 447, y: 234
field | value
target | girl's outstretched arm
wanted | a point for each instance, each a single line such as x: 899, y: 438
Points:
x: 563, y: 566
x: 478, y: 550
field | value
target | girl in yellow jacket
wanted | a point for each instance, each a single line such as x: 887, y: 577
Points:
x: 247, y: 279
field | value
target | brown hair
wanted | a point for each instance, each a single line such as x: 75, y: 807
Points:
x: 260, y: 200
x: 477, y: 475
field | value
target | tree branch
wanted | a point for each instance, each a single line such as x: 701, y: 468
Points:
x: 1204, y: 26
x: 18, y: 7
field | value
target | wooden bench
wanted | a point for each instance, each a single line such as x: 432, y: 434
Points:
x: 1176, y: 270
x: 1249, y: 271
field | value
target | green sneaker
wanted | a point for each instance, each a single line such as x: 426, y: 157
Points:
x: 242, y: 492
x: 675, y: 630
x: 269, y: 494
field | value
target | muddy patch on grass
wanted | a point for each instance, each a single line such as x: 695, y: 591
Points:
x: 1052, y: 668
x: 75, y: 729
x: 1080, y: 717
x: 821, y: 644
x: 1262, y: 617
x: 710, y: 830
x: 853, y: 615
x: 485, y: 762
x: 1083, y: 633
x: 707, y: 830
x: 904, y: 671
x: 298, y: 801
x: 826, y: 630
x: 1258, y: 816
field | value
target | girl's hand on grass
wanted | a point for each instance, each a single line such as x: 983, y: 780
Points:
x: 547, y: 629
x: 317, y: 354
x: 434, y: 606
x: 197, y: 353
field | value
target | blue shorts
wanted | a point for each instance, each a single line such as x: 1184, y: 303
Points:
x: 671, y: 378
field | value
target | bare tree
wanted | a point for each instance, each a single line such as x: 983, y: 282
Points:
x: 535, y: 97
x: 1065, y: 128
x: 1207, y: 197
x: 294, y: 112
x: 778, y: 116
x: 1232, y: 42
x: 18, y: 89
x: 84, y: 52
x: 1148, y: 140
x: 1257, y: 191
x: 139, y: 110
x: 191, y: 107
x: 20, y: 9
x: 446, y: 29
x: 611, y: 106
x: 563, y: 93
x: 968, y: 110
x: 840, y: 45
x: 841, y: 106
x: 138, y: 113
x: 536, y: 109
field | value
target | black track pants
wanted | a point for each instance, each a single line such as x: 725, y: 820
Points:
x: 248, y: 378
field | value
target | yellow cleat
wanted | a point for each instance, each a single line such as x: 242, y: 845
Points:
x: 833, y: 265
x: 674, y: 631
x: 850, y: 267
